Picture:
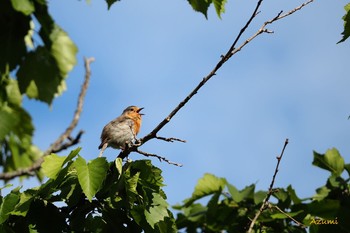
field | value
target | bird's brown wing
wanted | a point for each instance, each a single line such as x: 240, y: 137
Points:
x: 117, y: 124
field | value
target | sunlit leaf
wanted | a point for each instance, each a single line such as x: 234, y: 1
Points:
x: 119, y: 166
x: 207, y: 185
x: 63, y: 50
x: 52, y: 165
x: 331, y: 161
x: 219, y: 6
x: 158, y: 211
x: 24, y: 6
x: 13, y: 94
x: 91, y: 175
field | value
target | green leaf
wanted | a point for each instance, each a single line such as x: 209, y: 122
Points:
x: 207, y: 185
x: 195, y: 212
x: 52, y: 165
x: 259, y: 197
x: 63, y: 50
x: 326, y: 208
x: 131, y: 185
x: 158, y: 211
x: 23, y: 205
x: 7, y: 205
x: 9, y: 120
x: 13, y: 94
x: 293, y: 195
x: 24, y: 6
x: 331, y: 161
x: 91, y: 175
x: 321, y: 193
x: 119, y: 166
x: 238, y: 196
x: 346, y: 18
x: 39, y: 76
x: 219, y: 6
x: 201, y: 6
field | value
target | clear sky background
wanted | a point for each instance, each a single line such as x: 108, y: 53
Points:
x: 291, y: 84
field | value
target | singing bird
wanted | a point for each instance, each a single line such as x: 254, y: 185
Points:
x: 121, y: 132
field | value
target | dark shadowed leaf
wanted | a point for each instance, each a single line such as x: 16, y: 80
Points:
x: 111, y: 2
x: 346, y: 18
x: 201, y: 6
x: 7, y: 205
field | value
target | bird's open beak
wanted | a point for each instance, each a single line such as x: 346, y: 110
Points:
x: 139, y: 110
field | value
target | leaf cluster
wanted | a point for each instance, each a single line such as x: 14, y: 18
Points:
x: 231, y: 210
x: 94, y: 196
x: 346, y: 19
x: 201, y: 6
x: 34, y: 62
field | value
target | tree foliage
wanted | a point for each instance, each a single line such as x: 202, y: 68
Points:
x: 231, y: 210
x: 346, y: 19
x: 94, y: 196
x: 97, y: 196
x: 32, y: 65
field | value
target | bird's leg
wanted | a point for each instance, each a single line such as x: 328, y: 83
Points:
x: 137, y: 142
x: 103, y: 149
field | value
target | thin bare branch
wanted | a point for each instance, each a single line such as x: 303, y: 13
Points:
x: 158, y: 157
x: 60, y: 143
x: 286, y: 214
x: 265, y: 203
x: 223, y: 59
x: 170, y: 139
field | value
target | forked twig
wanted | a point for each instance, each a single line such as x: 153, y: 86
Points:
x: 158, y: 157
x: 60, y: 143
x: 286, y: 214
x: 224, y: 58
x: 265, y: 203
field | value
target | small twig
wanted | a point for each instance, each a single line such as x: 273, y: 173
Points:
x: 170, y: 139
x: 263, y: 27
x: 223, y: 59
x: 286, y: 214
x: 265, y: 203
x: 71, y: 142
x: 158, y: 157
x: 59, y: 144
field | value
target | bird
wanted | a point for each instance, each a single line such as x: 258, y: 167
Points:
x: 121, y: 132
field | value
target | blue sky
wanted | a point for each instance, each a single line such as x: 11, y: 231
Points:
x: 291, y: 84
